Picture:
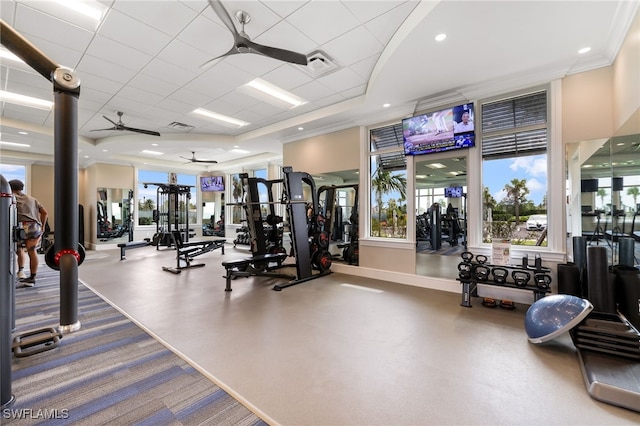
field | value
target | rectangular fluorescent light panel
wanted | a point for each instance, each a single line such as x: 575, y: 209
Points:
x: 220, y: 117
x: 27, y: 101
x: 7, y: 54
x: 83, y: 7
x: 274, y: 91
x: 146, y: 151
x: 20, y: 145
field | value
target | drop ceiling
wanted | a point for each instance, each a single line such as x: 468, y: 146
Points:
x: 144, y: 59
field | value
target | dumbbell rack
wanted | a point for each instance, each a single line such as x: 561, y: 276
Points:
x: 472, y: 272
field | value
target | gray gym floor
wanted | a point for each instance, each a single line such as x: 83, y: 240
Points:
x: 343, y: 350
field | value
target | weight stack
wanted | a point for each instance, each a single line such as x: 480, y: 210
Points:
x: 569, y: 279
x: 600, y: 287
x: 580, y: 260
x: 627, y: 251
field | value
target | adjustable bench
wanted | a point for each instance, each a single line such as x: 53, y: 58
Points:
x: 132, y: 245
x: 260, y: 265
x: 185, y: 252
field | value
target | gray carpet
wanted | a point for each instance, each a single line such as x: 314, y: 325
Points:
x: 108, y: 372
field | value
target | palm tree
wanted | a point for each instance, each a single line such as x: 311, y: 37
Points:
x: 517, y: 194
x: 488, y: 202
x: 385, y: 182
x: 602, y: 193
x: 634, y: 192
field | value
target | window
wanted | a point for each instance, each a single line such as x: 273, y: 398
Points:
x: 148, y: 197
x: 13, y: 171
x: 514, y: 167
x: 388, y: 183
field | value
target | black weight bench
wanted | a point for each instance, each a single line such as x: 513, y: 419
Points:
x: 185, y: 252
x: 257, y: 266
x: 131, y: 245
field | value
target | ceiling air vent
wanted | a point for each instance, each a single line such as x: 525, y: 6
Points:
x: 181, y: 126
x: 318, y: 64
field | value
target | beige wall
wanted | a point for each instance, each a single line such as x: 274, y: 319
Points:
x: 587, y: 105
x: 332, y: 152
x: 42, y: 188
x: 626, y: 81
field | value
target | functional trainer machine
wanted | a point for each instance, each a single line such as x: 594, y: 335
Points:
x: 308, y: 236
x: 172, y: 212
x: 346, y: 237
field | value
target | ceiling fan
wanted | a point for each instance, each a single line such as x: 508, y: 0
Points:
x: 120, y: 126
x: 243, y: 44
x: 193, y: 159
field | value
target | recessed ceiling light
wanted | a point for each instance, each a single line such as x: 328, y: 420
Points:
x: 436, y: 166
x: 104, y: 150
x: 146, y: 151
x: 584, y: 50
x: 154, y: 144
x: 86, y: 156
x: 220, y: 117
x: 441, y: 37
x: 300, y: 128
x: 386, y: 105
x: 23, y: 133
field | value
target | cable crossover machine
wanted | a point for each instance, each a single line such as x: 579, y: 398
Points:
x: 308, y: 237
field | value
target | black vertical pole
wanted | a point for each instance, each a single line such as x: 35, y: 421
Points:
x: 66, y: 195
x: 7, y: 282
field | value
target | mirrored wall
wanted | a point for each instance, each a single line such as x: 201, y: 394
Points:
x: 114, y: 215
x: 441, y: 213
x: 604, y: 193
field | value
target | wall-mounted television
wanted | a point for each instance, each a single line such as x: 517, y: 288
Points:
x: 443, y: 130
x: 453, y: 192
x: 589, y: 185
x: 211, y: 183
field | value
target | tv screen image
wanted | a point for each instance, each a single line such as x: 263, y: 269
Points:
x: 211, y: 183
x: 443, y: 130
x: 453, y: 192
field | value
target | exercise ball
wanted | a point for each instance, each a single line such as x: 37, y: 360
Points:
x: 552, y: 315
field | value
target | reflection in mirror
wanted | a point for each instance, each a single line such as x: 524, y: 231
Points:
x: 338, y: 204
x: 441, y: 214
x: 114, y: 215
x: 605, y: 177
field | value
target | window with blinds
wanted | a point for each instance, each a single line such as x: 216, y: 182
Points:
x: 514, y: 127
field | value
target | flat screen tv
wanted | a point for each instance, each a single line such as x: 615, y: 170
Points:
x: 211, y: 183
x: 453, y: 192
x: 438, y: 131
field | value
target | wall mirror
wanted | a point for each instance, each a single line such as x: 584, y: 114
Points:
x: 114, y: 215
x: 604, y: 188
x: 441, y: 213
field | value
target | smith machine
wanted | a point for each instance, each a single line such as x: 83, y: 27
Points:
x: 308, y: 238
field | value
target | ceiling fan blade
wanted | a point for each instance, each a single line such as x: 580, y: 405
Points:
x: 276, y: 53
x: 210, y: 62
x: 205, y: 161
x: 145, y: 132
x: 224, y: 16
x: 100, y: 130
x: 110, y: 120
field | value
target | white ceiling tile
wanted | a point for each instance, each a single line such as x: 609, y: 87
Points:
x: 98, y: 83
x: 30, y: 22
x: 253, y: 64
x: 365, y: 11
x: 196, y: 5
x: 59, y: 54
x: 190, y: 97
x: 130, y: 92
x: 165, y: 71
x: 364, y: 67
x: 312, y: 91
x: 287, y: 77
x: 239, y: 99
x: 206, y: 35
x: 183, y: 55
x: 283, y: 35
x: 168, y: 17
x: 128, y: 31
x: 342, y: 80
x: 285, y: 8
x: 322, y: 21
x: 353, y: 46
x: 112, y: 51
x: 106, y: 69
x: 153, y: 85
x: 353, y: 92
x: 262, y: 18
x: 385, y: 26
x: 129, y: 106
x: 7, y: 12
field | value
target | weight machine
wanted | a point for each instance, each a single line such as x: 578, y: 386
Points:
x: 308, y: 236
x: 172, y: 213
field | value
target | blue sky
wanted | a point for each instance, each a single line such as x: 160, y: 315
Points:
x: 497, y: 173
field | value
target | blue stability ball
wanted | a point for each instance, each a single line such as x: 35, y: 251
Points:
x: 552, y: 315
